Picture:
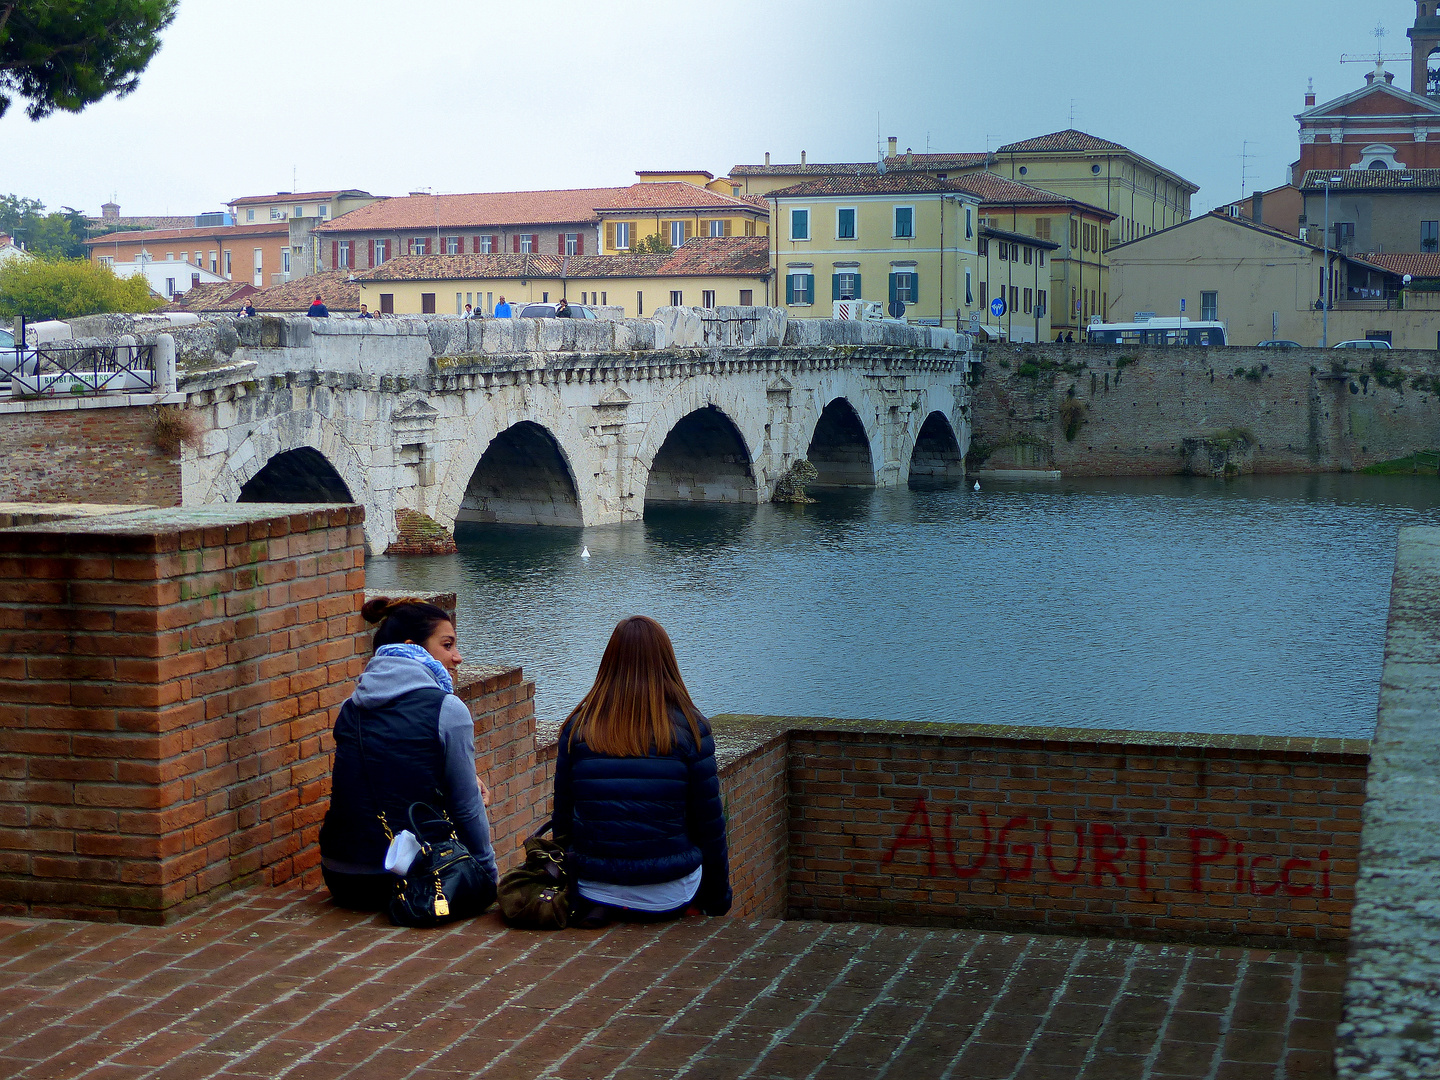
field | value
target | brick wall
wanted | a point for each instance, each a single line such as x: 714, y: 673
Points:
x: 101, y: 455
x: 755, y: 791
x: 1308, y: 410
x: 168, y: 681
x: 1236, y: 840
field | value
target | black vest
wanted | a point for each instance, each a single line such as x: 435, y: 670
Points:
x: 385, y: 759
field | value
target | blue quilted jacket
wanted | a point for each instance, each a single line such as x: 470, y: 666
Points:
x: 643, y: 820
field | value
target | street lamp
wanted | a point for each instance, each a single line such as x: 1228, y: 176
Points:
x: 1325, y: 273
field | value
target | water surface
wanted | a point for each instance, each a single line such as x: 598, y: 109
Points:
x: 1252, y: 606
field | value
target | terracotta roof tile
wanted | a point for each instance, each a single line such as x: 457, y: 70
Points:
x: 144, y: 222
x: 570, y: 206
x: 747, y: 256
x: 1416, y: 264
x: 268, y: 228
x: 340, y: 293
x: 818, y: 169
x: 213, y: 296
x: 936, y: 161
x: 890, y: 183
x: 1067, y: 140
x: 998, y: 190
x: 1373, y: 179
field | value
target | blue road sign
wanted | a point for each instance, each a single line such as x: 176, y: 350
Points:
x: 1182, y: 303
x: 997, y: 307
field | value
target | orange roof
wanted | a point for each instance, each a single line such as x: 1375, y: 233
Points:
x: 1069, y: 140
x: 340, y: 293
x: 268, y: 228
x: 999, y: 191
x: 936, y: 161
x: 1416, y: 264
x: 670, y: 195
x: 741, y: 256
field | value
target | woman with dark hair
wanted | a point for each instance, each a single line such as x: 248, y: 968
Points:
x: 402, y: 737
x: 637, y: 796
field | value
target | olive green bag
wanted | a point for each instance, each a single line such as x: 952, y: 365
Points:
x: 536, y: 896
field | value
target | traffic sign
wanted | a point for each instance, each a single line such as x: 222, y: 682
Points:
x: 1182, y: 304
x: 897, y: 309
x: 997, y: 307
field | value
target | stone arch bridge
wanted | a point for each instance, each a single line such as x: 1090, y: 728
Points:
x: 563, y: 423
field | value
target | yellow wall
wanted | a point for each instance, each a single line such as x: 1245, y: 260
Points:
x: 643, y: 225
x: 614, y: 291
x: 940, y: 259
x: 1079, y: 272
x: 1020, y: 283
x: 1124, y: 186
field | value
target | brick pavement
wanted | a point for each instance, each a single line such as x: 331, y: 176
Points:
x: 277, y: 983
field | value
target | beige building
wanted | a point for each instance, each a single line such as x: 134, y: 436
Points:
x: 1263, y: 284
x: 302, y: 211
x: 889, y: 237
x: 1014, y: 269
x: 708, y: 272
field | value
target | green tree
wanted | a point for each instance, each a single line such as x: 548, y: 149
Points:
x: 68, y: 288
x: 57, y: 235
x: 67, y: 54
x: 654, y: 244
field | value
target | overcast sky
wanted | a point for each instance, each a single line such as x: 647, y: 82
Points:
x: 472, y: 95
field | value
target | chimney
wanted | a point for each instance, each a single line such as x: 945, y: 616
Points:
x: 767, y: 157
x: 909, y: 156
x: 802, y: 157
x: 892, y: 141
x: 1257, y: 208
x: 1310, y: 95
x: 194, y: 280
x: 109, y: 211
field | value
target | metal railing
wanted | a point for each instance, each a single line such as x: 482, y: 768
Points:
x: 59, y: 368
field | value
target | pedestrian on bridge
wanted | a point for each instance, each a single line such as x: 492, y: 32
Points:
x: 502, y: 309
x: 318, y: 310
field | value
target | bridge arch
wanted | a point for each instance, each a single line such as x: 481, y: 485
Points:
x: 301, y: 475
x: 936, y: 454
x: 523, y: 478
x: 726, y: 413
x: 840, y: 448
x: 704, y: 458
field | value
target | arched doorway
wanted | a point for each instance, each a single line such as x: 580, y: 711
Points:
x: 840, y: 449
x: 522, y: 479
x: 703, y: 459
x: 302, y: 475
x: 937, y: 452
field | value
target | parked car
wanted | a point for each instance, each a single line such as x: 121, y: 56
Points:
x: 547, y: 311
x: 7, y: 339
x: 1366, y: 343
x: 1279, y: 343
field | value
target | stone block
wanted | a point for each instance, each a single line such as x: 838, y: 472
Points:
x: 527, y: 334
x: 550, y: 334
x: 497, y: 336
x: 634, y: 335
x: 679, y: 328
x: 593, y: 335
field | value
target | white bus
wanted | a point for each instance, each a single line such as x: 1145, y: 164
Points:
x: 1157, y: 331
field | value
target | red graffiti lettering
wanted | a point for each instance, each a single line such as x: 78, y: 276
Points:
x: 921, y: 839
x: 1240, y: 881
x: 1104, y: 861
x: 979, y: 864
x: 1012, y: 873
x: 1198, y: 837
x: 1268, y: 890
x: 1079, y: 855
x: 1291, y: 889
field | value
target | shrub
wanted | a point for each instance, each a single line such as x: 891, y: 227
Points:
x: 1072, y: 416
x: 171, y: 429
x: 69, y: 288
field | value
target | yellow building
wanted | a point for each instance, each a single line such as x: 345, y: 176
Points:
x: 676, y: 211
x: 322, y: 205
x: 718, y: 272
x: 891, y: 237
x: 1014, y: 271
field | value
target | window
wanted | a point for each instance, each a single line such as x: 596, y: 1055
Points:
x: 1004, y: 253
x: 250, y: 215
x: 382, y: 251
x: 969, y: 228
x: 845, y: 223
x: 212, y: 262
x: 603, y: 300
x: 1029, y: 256
x: 427, y: 303
x: 1014, y: 297
x: 622, y: 236
x: 259, y: 280
x: 969, y: 292
x: 452, y: 245
x: 1105, y: 239
x: 747, y: 297
x: 1042, y: 257
x: 1209, y: 306
x: 227, y: 264
x: 720, y: 227
x: 904, y: 222
x: 1042, y: 228
x: 707, y: 298
x: 299, y: 211
x: 342, y: 254
x: 486, y: 245
x: 1028, y: 302
x: 197, y: 259
x: 419, y: 245
x: 1040, y: 306
x: 570, y: 243
x: 800, y: 287
x: 387, y: 303
x: 677, y: 234
x: 903, y: 286
x: 1344, y: 234
x: 984, y: 294
x: 846, y: 285
x: 799, y: 224
x: 107, y: 260
x: 984, y: 247
x: 285, y: 261
x: 459, y: 308
x: 323, y: 210
x: 277, y: 214
x: 1430, y: 236
x: 169, y: 256
x: 639, y: 303
x: 169, y: 286
x: 544, y: 297
x: 677, y: 298
x: 526, y: 245
x: 1074, y: 233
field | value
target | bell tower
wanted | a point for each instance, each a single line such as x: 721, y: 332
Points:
x: 1425, y: 40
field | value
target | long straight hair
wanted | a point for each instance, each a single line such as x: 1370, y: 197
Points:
x: 627, y: 712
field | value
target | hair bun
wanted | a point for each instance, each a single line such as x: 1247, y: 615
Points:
x: 379, y: 608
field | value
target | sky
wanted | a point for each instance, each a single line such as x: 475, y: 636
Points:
x: 472, y: 95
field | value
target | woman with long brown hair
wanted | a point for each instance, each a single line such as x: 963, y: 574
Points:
x: 637, y: 796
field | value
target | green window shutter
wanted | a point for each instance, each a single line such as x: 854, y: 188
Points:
x: 810, y: 287
x: 858, y: 293
x: 892, y: 285
x: 789, y: 289
x: 834, y: 286
x: 914, y: 287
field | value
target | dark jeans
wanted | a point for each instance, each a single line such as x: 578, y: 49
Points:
x: 360, y: 892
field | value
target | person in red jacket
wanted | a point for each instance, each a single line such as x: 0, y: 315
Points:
x: 318, y: 310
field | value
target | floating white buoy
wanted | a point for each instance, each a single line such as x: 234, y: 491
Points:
x: 977, y: 485
x: 584, y: 552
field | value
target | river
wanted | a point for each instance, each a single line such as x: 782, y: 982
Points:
x: 1253, y: 606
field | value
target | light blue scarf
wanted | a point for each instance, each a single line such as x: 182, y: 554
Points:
x: 417, y: 652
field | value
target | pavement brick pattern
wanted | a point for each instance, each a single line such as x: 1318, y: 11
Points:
x: 278, y: 983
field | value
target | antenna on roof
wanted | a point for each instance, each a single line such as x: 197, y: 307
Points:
x: 1245, y: 157
x: 1072, y: 112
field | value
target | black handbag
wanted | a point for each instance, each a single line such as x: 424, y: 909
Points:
x: 444, y: 882
x: 536, y: 895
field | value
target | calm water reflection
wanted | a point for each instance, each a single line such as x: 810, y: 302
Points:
x: 1253, y: 606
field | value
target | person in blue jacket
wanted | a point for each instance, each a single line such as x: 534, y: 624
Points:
x: 402, y: 737
x: 637, y: 796
x: 502, y: 309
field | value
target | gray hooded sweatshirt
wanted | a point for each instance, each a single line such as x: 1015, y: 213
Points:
x: 384, y: 679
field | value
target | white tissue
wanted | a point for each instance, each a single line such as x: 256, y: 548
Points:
x: 401, y: 853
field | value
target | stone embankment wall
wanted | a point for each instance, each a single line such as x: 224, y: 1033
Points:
x: 73, y: 451
x: 1113, y: 411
